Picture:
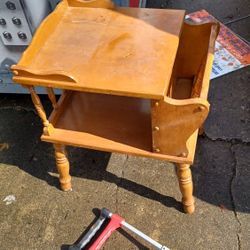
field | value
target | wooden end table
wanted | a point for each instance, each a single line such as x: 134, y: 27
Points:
x: 134, y: 81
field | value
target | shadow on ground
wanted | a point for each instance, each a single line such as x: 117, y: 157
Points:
x: 37, y: 158
x: 213, y: 171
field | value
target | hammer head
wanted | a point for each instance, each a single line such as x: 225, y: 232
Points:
x: 105, y: 213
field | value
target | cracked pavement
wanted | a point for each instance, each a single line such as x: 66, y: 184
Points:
x: 144, y: 191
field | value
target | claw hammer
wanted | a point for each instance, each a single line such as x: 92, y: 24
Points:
x: 115, y: 222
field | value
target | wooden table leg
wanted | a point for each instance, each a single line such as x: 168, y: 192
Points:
x: 186, y: 187
x: 62, y: 164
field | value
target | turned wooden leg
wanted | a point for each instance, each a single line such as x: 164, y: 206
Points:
x: 186, y: 187
x: 62, y: 164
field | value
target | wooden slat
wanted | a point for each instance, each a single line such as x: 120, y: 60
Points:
x: 86, y: 140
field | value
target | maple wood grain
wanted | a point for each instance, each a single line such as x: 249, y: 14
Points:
x: 135, y: 81
x: 122, y: 51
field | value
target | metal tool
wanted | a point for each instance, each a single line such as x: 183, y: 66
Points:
x: 115, y: 222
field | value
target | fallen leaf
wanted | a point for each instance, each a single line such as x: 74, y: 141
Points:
x: 9, y: 199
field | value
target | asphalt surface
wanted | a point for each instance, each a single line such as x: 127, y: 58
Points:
x: 35, y: 214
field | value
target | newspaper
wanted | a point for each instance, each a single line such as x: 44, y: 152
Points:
x: 231, y: 52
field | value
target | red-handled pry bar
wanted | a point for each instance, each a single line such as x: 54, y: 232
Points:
x: 115, y: 222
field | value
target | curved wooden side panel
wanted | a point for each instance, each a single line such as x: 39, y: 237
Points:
x: 59, y: 76
x: 195, y: 56
x: 108, y: 4
x: 205, y: 80
x: 174, y: 122
x: 196, y: 42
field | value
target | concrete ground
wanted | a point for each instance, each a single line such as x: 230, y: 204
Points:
x: 144, y: 191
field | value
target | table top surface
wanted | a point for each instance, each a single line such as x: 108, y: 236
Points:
x: 121, y: 51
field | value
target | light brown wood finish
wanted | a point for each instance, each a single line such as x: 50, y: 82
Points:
x: 52, y: 96
x: 124, y: 120
x: 148, y: 74
x: 111, y: 59
x: 174, y: 122
x: 38, y: 105
x: 186, y: 186
x: 107, y: 123
x: 90, y: 3
x: 62, y: 164
x: 40, y: 110
x: 197, y: 48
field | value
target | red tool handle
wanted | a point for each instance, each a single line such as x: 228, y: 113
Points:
x: 115, y: 222
x: 134, y: 3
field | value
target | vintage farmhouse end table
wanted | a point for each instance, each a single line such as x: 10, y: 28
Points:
x: 134, y: 81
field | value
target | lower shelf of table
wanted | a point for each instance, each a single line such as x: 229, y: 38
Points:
x: 108, y: 123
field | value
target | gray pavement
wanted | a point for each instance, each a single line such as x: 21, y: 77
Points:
x: 144, y: 191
